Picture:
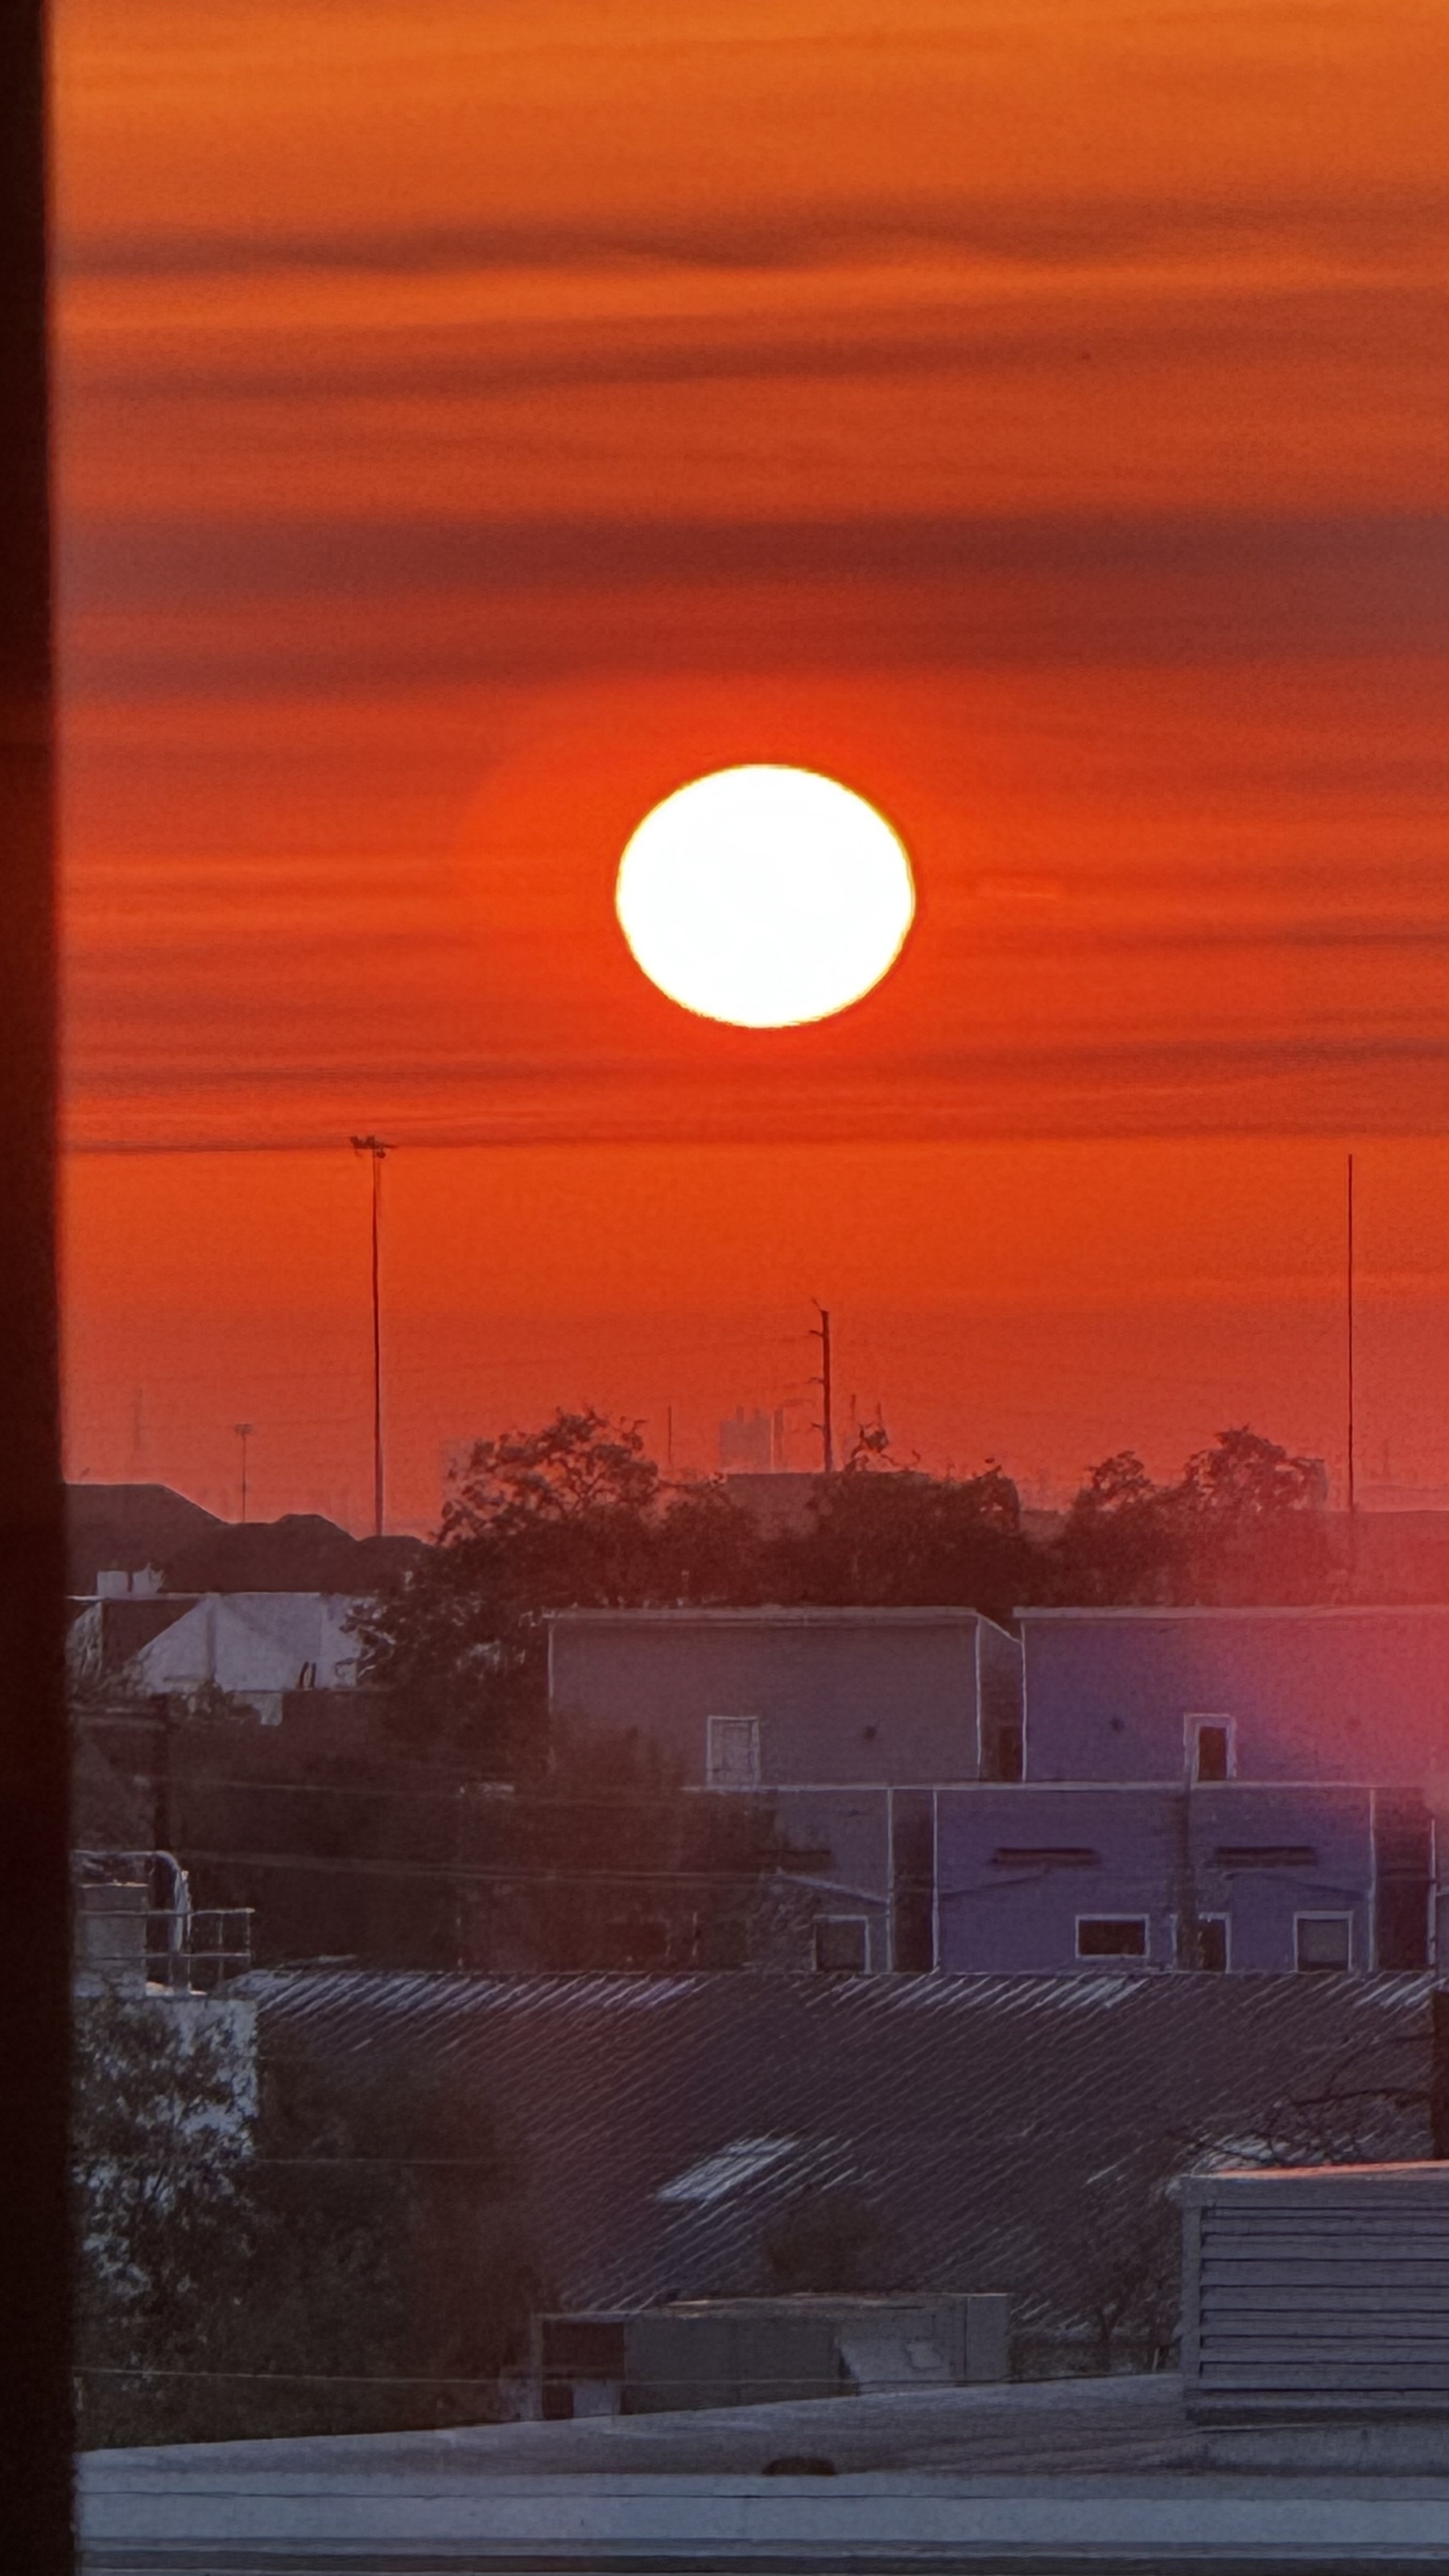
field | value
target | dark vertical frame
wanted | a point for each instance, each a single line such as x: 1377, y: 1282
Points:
x: 34, y: 1981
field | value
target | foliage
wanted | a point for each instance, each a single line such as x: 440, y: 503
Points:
x: 827, y: 2240
x: 610, y: 1863
x: 573, y: 1515
x: 340, y: 2256
x: 161, y: 2130
x: 882, y: 1536
x: 1243, y: 1524
x: 1114, y: 2257
x: 1252, y: 1519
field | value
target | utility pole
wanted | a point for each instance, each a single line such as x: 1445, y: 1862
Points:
x: 244, y: 1432
x: 376, y: 1149
x: 1349, y: 1320
x: 821, y: 1333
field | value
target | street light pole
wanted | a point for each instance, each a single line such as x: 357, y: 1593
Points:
x: 374, y: 1147
x: 243, y: 1432
x: 1349, y: 1284
x: 821, y: 1333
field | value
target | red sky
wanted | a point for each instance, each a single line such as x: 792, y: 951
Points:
x: 476, y: 421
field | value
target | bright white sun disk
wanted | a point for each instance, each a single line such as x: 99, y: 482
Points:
x: 765, y: 896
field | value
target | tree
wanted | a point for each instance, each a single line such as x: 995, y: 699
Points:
x: 572, y: 1515
x: 1244, y: 1523
x: 896, y: 1537
x: 1252, y: 1524
x: 162, y: 2116
x: 610, y: 1863
x: 1114, y: 2259
x: 328, y: 2252
x: 1121, y: 1541
x: 827, y: 2240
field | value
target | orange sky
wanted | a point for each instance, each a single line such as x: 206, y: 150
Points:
x: 476, y: 420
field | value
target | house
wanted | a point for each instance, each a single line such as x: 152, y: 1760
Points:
x: 1346, y: 1693
x: 851, y: 1720
x: 1222, y: 1790
x: 254, y: 1647
x: 128, y: 1527
x: 120, y: 1539
x: 1222, y: 1875
x: 794, y: 1698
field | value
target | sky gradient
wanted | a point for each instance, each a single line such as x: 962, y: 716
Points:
x: 474, y: 422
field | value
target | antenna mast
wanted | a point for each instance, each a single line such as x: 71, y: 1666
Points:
x: 374, y: 1146
x: 1349, y: 1283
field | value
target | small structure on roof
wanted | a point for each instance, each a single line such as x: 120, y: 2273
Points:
x: 751, y: 2352
x: 1316, y: 2292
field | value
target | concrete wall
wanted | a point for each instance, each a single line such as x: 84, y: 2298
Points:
x: 842, y: 1696
x: 1357, y: 1695
x: 1009, y: 1897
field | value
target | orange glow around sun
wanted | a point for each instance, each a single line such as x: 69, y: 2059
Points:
x: 476, y: 426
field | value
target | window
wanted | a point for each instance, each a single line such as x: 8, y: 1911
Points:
x: 841, y: 1945
x: 1111, y: 1936
x: 1323, y: 1941
x: 1212, y: 1943
x: 1209, y: 1748
x: 732, y: 1755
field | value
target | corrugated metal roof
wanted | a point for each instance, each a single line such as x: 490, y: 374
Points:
x: 969, y: 2114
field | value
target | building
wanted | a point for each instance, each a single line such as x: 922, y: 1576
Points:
x: 137, y: 1933
x: 121, y: 1537
x: 1219, y: 1875
x: 1222, y: 1790
x: 752, y: 1443
x: 129, y: 1527
x: 855, y: 1722
x: 1331, y: 1694
x: 795, y: 1698
x: 682, y: 2356
x: 251, y: 1647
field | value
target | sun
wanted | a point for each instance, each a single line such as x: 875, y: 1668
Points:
x: 765, y: 896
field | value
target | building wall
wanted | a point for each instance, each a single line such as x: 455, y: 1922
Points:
x: 1019, y: 1867
x: 875, y: 1697
x: 851, y: 1831
x: 1313, y: 1694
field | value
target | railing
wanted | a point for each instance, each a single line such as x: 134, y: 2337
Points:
x: 136, y: 1927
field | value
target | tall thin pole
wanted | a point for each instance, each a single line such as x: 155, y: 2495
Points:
x: 374, y: 1146
x: 1349, y: 1285
x: 35, y: 2249
x: 821, y: 1333
x: 243, y: 1432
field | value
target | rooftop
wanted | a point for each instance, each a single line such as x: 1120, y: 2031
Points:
x: 1244, y: 1610
x: 773, y: 1614
x: 1044, y: 2477
x: 669, y: 2126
